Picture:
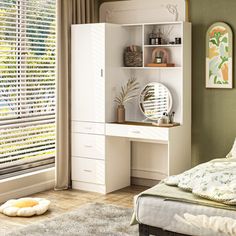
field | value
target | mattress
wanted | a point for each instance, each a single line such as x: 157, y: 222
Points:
x: 165, y: 213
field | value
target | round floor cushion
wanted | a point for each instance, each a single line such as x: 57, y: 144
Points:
x: 25, y: 207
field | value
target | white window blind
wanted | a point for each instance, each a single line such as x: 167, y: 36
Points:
x: 27, y: 82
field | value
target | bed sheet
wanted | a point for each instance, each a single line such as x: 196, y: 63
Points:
x: 168, y: 214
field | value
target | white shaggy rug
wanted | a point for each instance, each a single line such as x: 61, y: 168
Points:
x: 92, y: 219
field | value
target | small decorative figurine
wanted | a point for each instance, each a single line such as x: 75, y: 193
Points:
x: 164, y: 119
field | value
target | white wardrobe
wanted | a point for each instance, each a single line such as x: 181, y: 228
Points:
x: 99, y: 163
x: 101, y: 148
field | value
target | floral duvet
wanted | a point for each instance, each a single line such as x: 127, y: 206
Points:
x: 214, y: 180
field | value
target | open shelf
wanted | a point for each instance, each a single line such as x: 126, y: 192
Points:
x: 163, y: 45
x: 152, y: 68
x: 171, y: 76
x: 138, y: 34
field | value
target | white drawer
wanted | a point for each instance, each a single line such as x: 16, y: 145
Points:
x: 88, y: 145
x: 139, y: 132
x: 87, y: 127
x: 88, y: 170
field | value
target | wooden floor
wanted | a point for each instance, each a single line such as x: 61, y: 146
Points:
x: 68, y: 200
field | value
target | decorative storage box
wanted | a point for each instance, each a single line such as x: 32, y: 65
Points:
x: 133, y: 59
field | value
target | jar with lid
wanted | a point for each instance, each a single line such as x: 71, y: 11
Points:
x: 152, y: 38
x: 158, y: 58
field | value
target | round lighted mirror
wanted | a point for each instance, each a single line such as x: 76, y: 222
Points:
x: 154, y: 100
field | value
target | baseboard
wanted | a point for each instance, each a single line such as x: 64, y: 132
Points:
x: 27, y: 184
x: 147, y: 174
x: 144, y: 182
x: 99, y: 188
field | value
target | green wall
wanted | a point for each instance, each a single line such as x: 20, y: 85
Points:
x: 213, y: 110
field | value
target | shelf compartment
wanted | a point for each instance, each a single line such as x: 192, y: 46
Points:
x: 168, y: 32
x: 163, y: 45
x: 152, y: 68
x: 174, y: 55
x: 134, y: 36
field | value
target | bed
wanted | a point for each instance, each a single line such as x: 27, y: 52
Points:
x: 167, y: 209
x: 159, y: 215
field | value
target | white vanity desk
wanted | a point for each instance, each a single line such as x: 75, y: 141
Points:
x: 101, y: 159
x: 101, y: 149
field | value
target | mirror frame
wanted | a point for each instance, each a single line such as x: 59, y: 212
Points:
x: 170, y: 97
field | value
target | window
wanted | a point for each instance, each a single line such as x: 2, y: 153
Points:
x: 27, y: 85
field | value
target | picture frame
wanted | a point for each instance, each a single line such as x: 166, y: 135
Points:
x: 219, y: 56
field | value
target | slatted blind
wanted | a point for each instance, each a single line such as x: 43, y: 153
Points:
x: 27, y: 81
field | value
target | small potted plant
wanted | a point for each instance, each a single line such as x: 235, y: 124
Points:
x: 128, y: 92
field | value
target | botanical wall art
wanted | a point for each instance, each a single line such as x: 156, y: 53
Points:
x: 219, y: 58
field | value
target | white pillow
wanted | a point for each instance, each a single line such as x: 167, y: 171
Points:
x: 232, y: 152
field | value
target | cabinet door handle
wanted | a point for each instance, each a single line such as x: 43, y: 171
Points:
x: 136, y: 132
x: 88, y: 146
x: 89, y: 171
x: 88, y: 128
x: 101, y: 72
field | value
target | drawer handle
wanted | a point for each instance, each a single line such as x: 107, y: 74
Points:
x: 89, y: 171
x: 88, y: 128
x: 136, y: 132
x: 88, y: 146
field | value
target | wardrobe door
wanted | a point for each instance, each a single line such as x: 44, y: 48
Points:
x: 88, y: 80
